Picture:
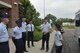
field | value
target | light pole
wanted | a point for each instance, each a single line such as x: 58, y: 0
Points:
x: 44, y: 8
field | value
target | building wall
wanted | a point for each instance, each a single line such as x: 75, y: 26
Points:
x: 7, y: 1
x: 14, y: 13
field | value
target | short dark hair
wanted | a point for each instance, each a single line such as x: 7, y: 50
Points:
x: 19, y: 23
x: 45, y: 19
x: 4, y: 15
x: 58, y: 27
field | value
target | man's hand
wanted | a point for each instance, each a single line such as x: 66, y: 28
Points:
x: 50, y: 31
x: 44, y: 33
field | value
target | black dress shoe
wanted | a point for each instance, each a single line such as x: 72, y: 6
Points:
x: 33, y: 45
x: 47, y: 50
x: 25, y: 51
x: 42, y: 49
x: 28, y: 46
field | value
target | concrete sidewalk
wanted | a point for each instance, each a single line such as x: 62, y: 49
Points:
x: 37, y: 47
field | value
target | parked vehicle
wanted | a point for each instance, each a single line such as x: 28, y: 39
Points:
x: 77, y: 25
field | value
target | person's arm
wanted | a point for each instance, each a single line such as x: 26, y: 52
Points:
x: 61, y: 38
x: 50, y: 28
x: 33, y: 27
x: 15, y: 31
x: 1, y: 29
x: 41, y: 27
x: 26, y: 27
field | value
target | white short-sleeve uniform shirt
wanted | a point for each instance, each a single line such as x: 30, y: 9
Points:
x: 45, y: 27
x: 3, y: 33
x: 30, y: 27
x: 58, y: 38
x: 24, y: 26
x: 17, y: 32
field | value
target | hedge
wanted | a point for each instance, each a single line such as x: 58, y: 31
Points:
x: 37, y: 35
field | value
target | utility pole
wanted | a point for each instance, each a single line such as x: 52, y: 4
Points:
x: 44, y: 8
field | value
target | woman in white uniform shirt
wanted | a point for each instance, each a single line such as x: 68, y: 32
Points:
x: 17, y: 38
x: 58, y: 40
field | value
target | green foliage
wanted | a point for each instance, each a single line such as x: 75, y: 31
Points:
x: 66, y: 20
x: 51, y: 17
x: 61, y: 20
x: 58, y: 21
x: 37, y: 21
x: 69, y: 26
x: 37, y: 35
x: 23, y: 7
x: 28, y: 10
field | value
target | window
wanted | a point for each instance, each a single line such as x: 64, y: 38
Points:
x: 77, y: 23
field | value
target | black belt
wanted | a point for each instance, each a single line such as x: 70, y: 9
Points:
x: 23, y: 32
x: 30, y: 31
x: 3, y: 42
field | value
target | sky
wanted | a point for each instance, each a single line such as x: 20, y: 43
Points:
x: 59, y: 8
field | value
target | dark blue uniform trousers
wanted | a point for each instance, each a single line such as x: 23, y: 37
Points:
x: 58, y: 49
x: 19, y: 45
x: 4, y: 47
x: 24, y: 40
x: 30, y: 38
x: 45, y: 38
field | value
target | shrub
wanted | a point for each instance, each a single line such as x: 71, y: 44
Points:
x: 37, y: 35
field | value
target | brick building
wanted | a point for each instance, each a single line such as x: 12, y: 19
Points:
x: 10, y: 7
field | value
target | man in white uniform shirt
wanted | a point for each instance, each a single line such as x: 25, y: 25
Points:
x: 30, y: 29
x: 46, y: 29
x: 24, y: 29
x: 58, y: 39
x: 4, y: 37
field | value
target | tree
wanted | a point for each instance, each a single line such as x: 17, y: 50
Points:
x: 66, y: 20
x: 61, y: 20
x: 28, y: 10
x: 23, y: 7
x: 37, y: 21
x: 51, y: 17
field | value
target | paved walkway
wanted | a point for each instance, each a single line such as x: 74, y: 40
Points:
x: 37, y: 47
x: 70, y: 42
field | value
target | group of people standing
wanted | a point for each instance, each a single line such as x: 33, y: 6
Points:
x: 19, y: 35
